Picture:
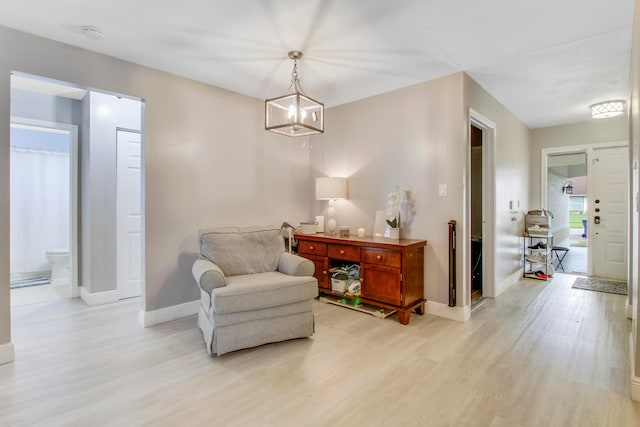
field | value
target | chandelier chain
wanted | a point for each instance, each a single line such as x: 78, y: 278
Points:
x: 295, y: 80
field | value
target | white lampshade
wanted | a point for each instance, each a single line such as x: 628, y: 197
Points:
x: 328, y: 188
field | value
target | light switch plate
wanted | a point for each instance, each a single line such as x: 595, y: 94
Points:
x: 442, y: 190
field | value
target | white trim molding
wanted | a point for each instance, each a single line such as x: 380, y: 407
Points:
x: 635, y: 381
x: 7, y: 353
x: 489, y: 137
x: 167, y: 314
x: 635, y: 388
x: 629, y: 309
x: 511, y: 280
x: 461, y: 314
x: 98, y: 298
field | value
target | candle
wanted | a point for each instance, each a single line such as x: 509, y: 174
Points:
x: 360, y: 232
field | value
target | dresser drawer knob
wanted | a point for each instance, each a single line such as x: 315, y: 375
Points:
x: 378, y: 257
x: 341, y: 252
x: 361, y: 280
x: 324, y: 272
x: 311, y: 248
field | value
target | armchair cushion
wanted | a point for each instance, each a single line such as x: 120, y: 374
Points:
x: 242, y: 250
x: 263, y: 290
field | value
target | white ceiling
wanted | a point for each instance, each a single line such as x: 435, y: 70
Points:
x: 545, y: 60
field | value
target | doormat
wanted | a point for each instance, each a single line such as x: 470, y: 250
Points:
x: 600, y: 285
x: 354, y: 304
x: 37, y: 281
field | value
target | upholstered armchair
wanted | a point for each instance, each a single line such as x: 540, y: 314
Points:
x: 252, y: 291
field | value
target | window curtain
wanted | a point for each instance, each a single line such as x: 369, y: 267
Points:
x: 39, y: 208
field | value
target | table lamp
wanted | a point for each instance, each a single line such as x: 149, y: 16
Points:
x: 331, y: 188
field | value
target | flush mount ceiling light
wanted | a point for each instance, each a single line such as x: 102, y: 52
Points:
x: 605, y: 109
x: 294, y: 114
x: 92, y: 32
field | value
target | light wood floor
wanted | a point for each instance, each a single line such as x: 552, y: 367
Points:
x: 542, y: 354
x: 38, y: 294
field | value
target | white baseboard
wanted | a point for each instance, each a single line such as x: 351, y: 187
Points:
x: 167, y: 314
x: 461, y: 314
x: 511, y: 280
x: 7, y: 353
x: 98, y: 298
x: 635, y: 381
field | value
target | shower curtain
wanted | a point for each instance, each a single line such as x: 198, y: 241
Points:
x: 39, y: 209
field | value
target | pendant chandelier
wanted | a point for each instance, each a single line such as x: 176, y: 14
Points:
x: 294, y: 114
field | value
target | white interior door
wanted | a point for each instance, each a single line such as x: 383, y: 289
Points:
x: 129, y: 214
x: 608, y: 212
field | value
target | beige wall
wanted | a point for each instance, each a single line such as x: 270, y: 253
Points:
x: 511, y: 180
x: 417, y: 136
x: 208, y: 160
x: 411, y: 136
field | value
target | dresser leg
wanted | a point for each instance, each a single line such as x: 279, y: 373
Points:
x: 404, y: 316
x: 420, y: 309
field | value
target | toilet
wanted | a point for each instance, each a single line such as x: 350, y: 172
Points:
x: 59, y: 260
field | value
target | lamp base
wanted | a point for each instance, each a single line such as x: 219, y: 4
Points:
x: 331, y: 226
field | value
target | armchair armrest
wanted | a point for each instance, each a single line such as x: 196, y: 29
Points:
x: 294, y: 265
x: 208, y: 275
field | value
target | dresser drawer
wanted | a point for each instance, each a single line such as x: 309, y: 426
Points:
x: 345, y: 252
x: 381, y: 257
x: 315, y: 248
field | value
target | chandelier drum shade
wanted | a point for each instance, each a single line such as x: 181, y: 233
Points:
x: 606, y: 109
x: 294, y: 114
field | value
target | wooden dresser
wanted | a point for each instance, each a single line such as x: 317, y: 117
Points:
x: 391, y: 271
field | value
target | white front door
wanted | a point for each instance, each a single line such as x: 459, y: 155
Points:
x: 608, y: 212
x: 129, y: 214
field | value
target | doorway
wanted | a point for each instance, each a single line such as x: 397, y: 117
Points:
x: 478, y: 235
x: 567, y: 200
x: 476, y: 214
x: 43, y: 211
x: 97, y: 201
x: 605, y: 206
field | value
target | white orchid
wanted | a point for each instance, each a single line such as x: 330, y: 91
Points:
x: 394, y: 203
